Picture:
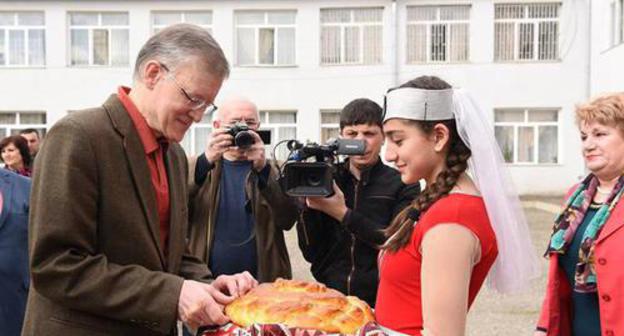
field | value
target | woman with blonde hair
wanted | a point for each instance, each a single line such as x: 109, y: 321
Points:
x: 441, y: 249
x: 584, y: 292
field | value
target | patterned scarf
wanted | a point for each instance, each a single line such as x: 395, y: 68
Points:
x: 569, y: 220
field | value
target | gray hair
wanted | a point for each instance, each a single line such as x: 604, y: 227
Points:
x: 227, y: 104
x: 177, y: 43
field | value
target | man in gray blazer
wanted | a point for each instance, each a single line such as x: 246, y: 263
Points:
x: 109, y: 204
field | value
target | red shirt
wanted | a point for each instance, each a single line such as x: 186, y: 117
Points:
x: 399, y: 305
x: 155, y: 155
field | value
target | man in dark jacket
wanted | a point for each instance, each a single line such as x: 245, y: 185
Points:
x: 340, y: 235
x: 238, y: 212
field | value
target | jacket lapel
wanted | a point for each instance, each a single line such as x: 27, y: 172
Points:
x: 176, y: 199
x: 615, y: 221
x: 137, y: 164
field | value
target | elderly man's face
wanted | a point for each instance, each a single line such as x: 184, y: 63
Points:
x: 33, y: 142
x: 238, y: 112
x: 233, y: 112
x: 173, y: 112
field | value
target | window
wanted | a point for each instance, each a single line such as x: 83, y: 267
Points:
x: 11, y: 122
x: 98, y: 38
x: 437, y: 33
x: 330, y: 124
x: 528, y: 135
x: 526, y: 32
x: 22, y: 39
x: 351, y: 35
x: 196, y: 139
x: 162, y: 19
x: 265, y: 37
x: 617, y: 23
x: 283, y: 126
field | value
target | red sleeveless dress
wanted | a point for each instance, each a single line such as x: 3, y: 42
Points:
x: 398, y: 305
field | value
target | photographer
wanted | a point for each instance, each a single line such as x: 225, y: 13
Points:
x: 237, y: 212
x: 340, y: 235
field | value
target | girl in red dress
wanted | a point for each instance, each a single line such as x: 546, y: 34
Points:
x: 440, y: 249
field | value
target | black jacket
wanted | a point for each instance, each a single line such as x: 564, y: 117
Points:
x: 344, y: 255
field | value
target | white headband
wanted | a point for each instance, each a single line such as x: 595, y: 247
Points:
x: 419, y: 104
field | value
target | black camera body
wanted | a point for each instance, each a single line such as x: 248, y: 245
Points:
x: 302, y: 178
x: 242, y: 136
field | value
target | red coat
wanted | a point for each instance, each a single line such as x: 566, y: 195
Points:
x: 609, y: 257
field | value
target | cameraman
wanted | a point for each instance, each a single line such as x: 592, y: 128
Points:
x: 340, y: 235
x: 237, y: 212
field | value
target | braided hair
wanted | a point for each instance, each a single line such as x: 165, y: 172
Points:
x: 399, y: 232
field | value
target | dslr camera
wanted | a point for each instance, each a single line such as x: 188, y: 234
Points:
x: 243, y: 138
x: 300, y: 177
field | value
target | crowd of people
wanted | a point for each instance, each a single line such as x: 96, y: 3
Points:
x: 123, y: 234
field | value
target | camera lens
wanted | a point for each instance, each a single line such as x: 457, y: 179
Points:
x: 243, y: 140
x: 314, y: 180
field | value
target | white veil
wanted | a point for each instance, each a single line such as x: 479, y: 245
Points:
x: 516, y: 263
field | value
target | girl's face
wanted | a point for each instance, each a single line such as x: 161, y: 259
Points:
x: 416, y: 155
x: 12, y: 157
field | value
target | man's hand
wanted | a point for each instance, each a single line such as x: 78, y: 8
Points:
x: 256, y: 153
x: 235, y: 285
x: 334, y: 206
x: 219, y: 141
x: 202, y: 304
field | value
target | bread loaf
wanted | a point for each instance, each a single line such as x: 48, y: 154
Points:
x: 300, y: 304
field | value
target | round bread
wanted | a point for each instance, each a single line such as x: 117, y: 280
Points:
x: 300, y: 304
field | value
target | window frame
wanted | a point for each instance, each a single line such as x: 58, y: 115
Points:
x: 534, y: 23
x: 183, y: 14
x: 189, y: 141
x: 352, y: 23
x: 90, y: 46
x: 534, y: 125
x: 428, y: 38
x: 26, y: 29
x: 330, y: 126
x: 265, y: 124
x: 616, y: 27
x: 265, y: 25
x: 13, y: 129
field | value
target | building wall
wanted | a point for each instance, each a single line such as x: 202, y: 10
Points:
x: 308, y: 86
x: 607, y: 57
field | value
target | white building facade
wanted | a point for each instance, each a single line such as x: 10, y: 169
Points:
x: 526, y: 62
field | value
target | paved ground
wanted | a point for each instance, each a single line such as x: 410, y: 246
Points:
x: 491, y: 314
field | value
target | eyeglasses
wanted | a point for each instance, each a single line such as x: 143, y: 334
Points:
x: 249, y: 122
x: 195, y: 104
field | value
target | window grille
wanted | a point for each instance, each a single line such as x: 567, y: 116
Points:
x: 438, y: 34
x: 526, y: 32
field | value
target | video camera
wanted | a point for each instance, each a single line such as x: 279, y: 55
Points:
x: 302, y: 178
